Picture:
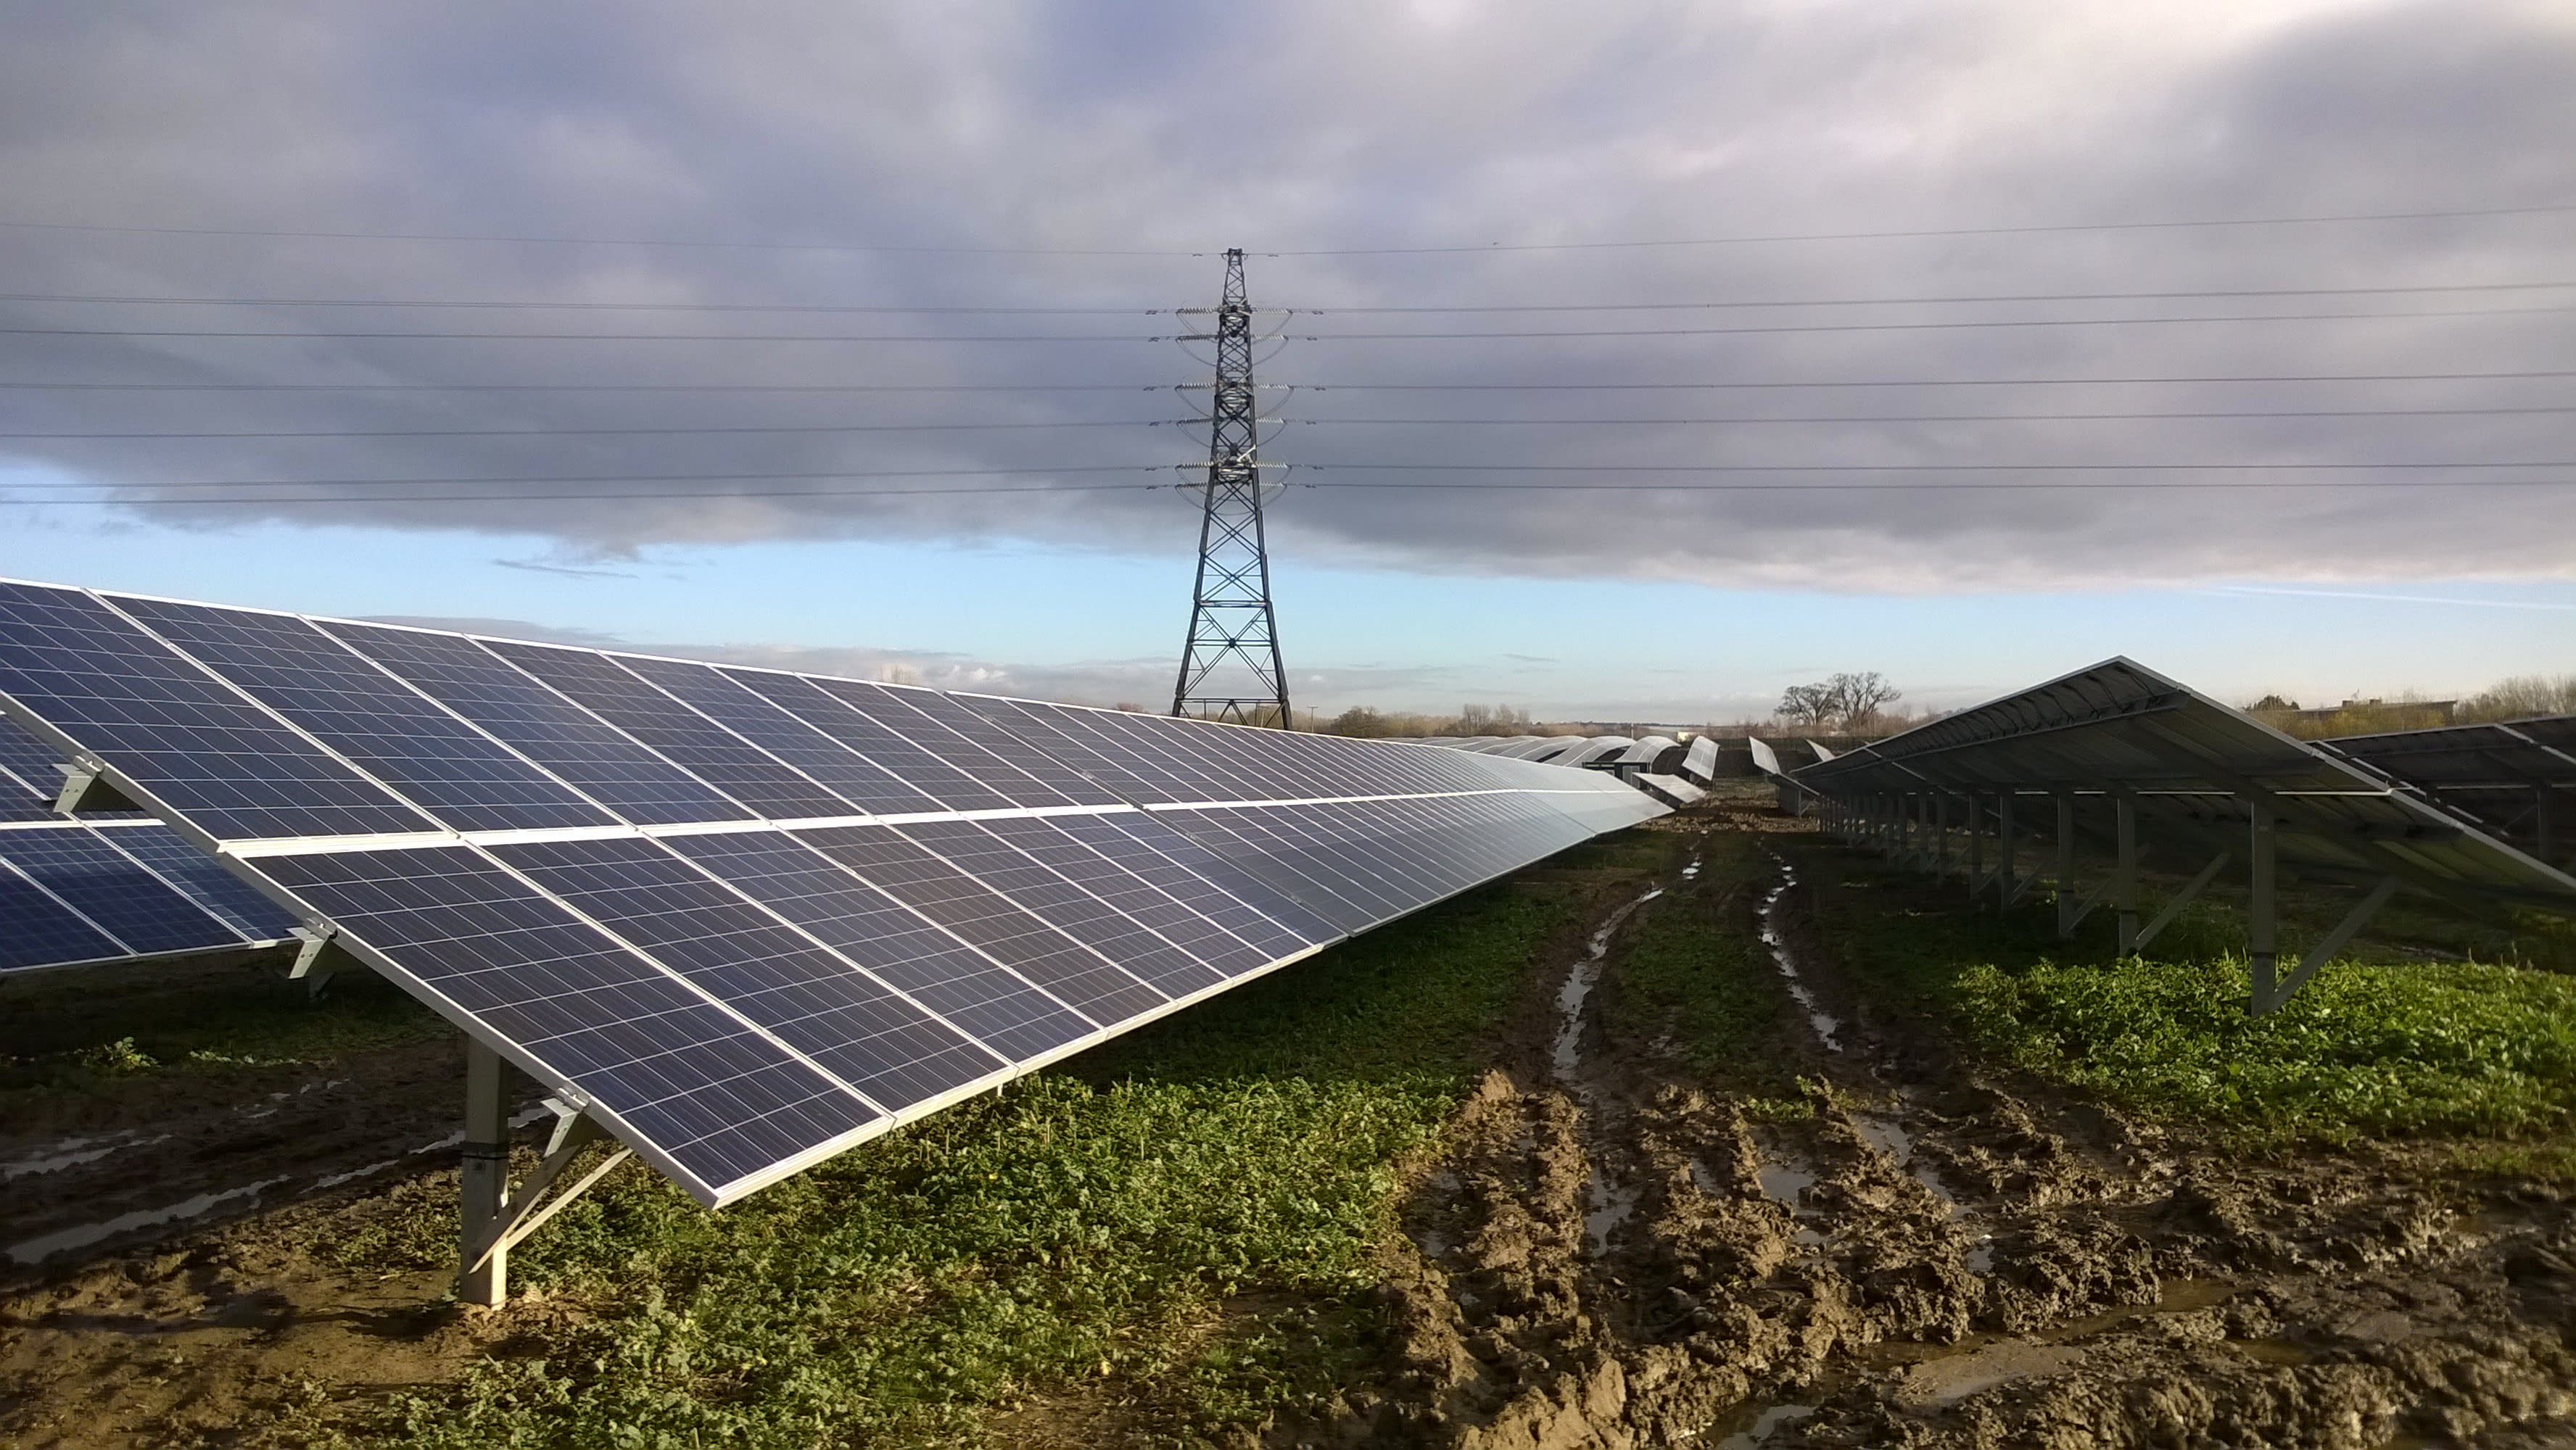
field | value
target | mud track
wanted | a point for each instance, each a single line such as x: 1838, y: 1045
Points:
x: 1615, y: 1253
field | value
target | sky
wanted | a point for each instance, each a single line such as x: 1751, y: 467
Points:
x: 1628, y: 363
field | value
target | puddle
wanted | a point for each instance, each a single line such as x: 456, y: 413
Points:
x: 334, y: 1180
x: 1890, y: 1138
x: 1766, y: 1422
x: 2173, y: 1296
x: 1568, y: 1054
x: 1947, y: 1381
x: 2273, y: 1351
x: 1784, y: 1182
x: 43, y: 1247
x: 73, y: 1152
x: 1608, y: 1204
x: 1981, y: 1256
x: 1827, y: 1027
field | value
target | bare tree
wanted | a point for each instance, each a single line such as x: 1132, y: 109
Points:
x: 1806, y: 704
x: 1851, y: 701
x: 1857, y: 698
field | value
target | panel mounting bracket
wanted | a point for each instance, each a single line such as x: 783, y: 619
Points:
x: 87, y: 788
x: 319, y: 957
x: 497, y: 1213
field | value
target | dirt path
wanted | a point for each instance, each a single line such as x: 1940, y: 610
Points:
x: 1614, y: 1254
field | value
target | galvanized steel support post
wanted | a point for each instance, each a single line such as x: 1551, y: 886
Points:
x: 2262, y: 942
x: 486, y: 1179
x: 2125, y: 889
x: 1976, y: 844
x: 1941, y: 835
x: 2005, y: 849
x: 2066, y: 906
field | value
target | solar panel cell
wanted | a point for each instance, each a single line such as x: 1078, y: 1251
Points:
x: 1051, y: 728
x: 987, y: 1001
x: 903, y: 710
x: 983, y: 919
x: 231, y: 768
x: 716, y: 1102
x: 997, y: 863
x: 1147, y: 902
x: 714, y: 694
x: 104, y: 884
x: 1068, y: 784
x: 1271, y: 920
x: 919, y: 768
x: 542, y: 725
x: 42, y: 931
x: 223, y: 895
x: 845, y: 1022
x: 672, y: 730
x: 462, y: 777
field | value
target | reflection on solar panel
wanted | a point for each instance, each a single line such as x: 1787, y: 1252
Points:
x: 109, y: 888
x: 742, y: 919
x: 2119, y: 751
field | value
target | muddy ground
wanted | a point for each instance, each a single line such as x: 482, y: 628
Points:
x: 1618, y: 1255
x: 1893, y: 1249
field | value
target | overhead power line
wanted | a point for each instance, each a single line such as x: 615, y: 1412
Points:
x: 702, y: 476
x: 1765, y: 329
x: 1741, y: 239
x: 547, y: 305
x: 1766, y: 384
x: 1732, y: 486
x: 826, y: 428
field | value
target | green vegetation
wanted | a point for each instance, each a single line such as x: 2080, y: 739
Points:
x: 2372, y: 1045
x: 1695, y: 973
x: 2419, y: 1048
x: 1180, y: 1227
x: 77, y: 1030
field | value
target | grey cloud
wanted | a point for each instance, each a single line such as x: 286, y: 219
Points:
x: 1004, y: 124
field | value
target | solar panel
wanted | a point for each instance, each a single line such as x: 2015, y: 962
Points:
x: 743, y: 918
x: 2184, y: 771
x: 1700, y: 764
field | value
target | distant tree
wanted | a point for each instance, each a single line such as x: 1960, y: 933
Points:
x: 1492, y: 720
x: 1806, y: 704
x: 2271, y: 702
x: 1359, y: 721
x: 2521, y: 697
x: 1852, y: 701
x: 899, y: 674
x: 1858, y: 698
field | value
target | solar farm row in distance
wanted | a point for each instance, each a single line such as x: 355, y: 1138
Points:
x: 116, y: 888
x: 748, y: 918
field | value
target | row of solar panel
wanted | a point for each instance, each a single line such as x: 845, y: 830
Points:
x: 738, y: 912
x: 484, y: 735
x: 845, y: 974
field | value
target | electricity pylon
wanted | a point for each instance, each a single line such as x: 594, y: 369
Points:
x: 1230, y: 669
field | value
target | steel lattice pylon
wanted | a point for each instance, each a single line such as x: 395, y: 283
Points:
x: 1230, y: 669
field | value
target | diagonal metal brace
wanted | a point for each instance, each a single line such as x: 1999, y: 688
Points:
x: 2268, y: 997
x: 574, y: 1130
x: 2173, y: 908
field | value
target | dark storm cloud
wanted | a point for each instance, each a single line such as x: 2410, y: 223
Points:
x: 1027, y: 126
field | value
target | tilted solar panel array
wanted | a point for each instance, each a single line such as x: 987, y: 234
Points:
x: 748, y: 918
x: 110, y: 888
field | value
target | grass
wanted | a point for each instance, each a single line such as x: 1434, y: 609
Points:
x: 2374, y: 1045
x: 88, y: 1030
x: 1182, y: 1223
x: 1696, y: 974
